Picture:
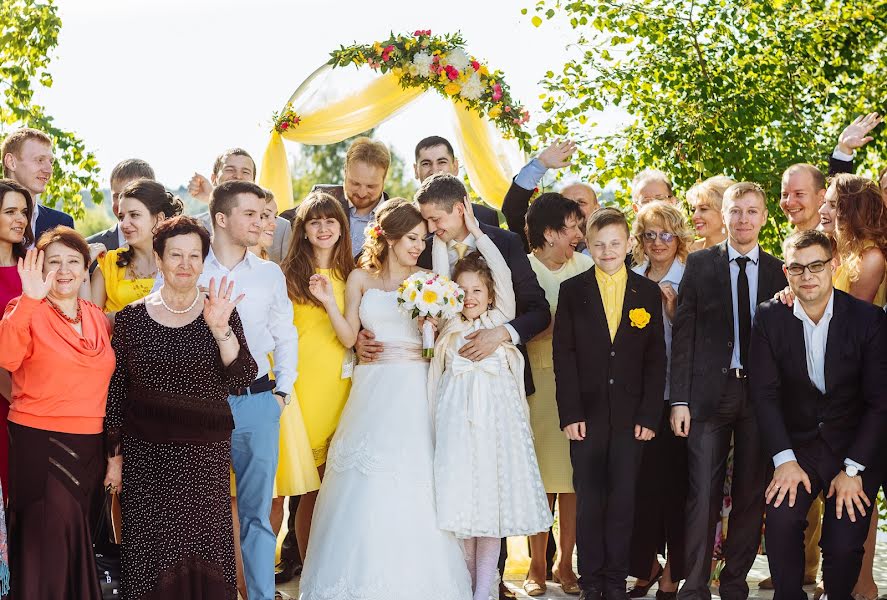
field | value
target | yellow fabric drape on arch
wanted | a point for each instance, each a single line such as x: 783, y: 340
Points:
x: 488, y: 166
x: 327, y: 120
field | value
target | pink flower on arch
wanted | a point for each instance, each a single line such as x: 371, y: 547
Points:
x: 452, y: 72
x: 497, y: 92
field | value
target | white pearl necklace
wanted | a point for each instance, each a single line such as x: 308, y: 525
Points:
x: 179, y: 312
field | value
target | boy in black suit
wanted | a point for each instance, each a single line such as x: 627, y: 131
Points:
x: 609, y: 365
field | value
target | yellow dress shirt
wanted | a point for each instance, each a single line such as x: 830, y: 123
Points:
x: 612, y: 295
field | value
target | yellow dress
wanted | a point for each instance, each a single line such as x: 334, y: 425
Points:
x: 120, y: 290
x: 552, y: 446
x: 842, y: 281
x: 320, y: 389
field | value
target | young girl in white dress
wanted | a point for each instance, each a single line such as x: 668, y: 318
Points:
x: 486, y: 478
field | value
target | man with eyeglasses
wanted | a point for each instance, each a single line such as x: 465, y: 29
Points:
x: 818, y: 373
x: 651, y: 185
x: 719, y: 293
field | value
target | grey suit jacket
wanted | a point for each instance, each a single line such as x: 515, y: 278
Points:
x: 282, y: 235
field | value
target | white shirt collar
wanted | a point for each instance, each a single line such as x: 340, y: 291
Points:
x: 469, y: 240
x: 674, y: 275
x: 801, y: 314
x: 754, y: 254
x: 249, y: 260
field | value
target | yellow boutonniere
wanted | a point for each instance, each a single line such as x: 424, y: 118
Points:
x: 639, y: 317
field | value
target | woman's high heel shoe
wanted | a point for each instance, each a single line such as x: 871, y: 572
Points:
x: 639, y: 591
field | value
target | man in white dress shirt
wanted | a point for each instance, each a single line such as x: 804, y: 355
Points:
x: 267, y: 315
x: 817, y: 379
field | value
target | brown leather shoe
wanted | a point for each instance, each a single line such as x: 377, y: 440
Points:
x: 568, y: 586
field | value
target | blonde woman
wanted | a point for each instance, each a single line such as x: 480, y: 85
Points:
x: 663, y: 241
x: 705, y: 200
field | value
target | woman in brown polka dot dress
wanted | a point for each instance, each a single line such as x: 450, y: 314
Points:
x: 168, y: 423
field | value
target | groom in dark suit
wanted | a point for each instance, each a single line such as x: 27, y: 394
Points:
x: 440, y: 200
x: 609, y: 366
x: 720, y: 291
x: 817, y: 381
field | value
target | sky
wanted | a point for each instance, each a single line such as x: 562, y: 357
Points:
x: 175, y: 82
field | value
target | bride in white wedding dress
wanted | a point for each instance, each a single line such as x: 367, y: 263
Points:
x: 374, y: 535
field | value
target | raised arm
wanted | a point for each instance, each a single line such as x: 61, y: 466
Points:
x: 347, y: 325
x: 517, y: 199
x: 505, y: 303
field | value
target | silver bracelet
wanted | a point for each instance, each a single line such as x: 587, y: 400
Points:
x: 225, y: 337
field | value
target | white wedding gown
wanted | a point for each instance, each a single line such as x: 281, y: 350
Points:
x: 374, y: 535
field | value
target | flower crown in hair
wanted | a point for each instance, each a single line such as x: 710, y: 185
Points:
x: 373, y: 231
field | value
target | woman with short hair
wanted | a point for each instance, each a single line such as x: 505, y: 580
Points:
x: 663, y: 242
x: 58, y: 349
x: 553, y: 233
x: 180, y: 353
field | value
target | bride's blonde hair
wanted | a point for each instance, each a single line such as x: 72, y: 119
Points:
x: 394, y: 219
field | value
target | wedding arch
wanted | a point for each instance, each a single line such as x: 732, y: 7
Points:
x: 390, y: 75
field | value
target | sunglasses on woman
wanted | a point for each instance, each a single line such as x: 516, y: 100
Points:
x: 665, y: 236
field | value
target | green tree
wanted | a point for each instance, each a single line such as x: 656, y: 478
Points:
x: 743, y: 88
x: 28, y: 35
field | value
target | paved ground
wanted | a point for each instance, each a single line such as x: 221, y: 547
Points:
x: 758, y: 572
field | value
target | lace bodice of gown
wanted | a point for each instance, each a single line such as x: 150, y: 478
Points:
x: 380, y: 314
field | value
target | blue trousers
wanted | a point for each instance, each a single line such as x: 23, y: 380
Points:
x: 254, y: 451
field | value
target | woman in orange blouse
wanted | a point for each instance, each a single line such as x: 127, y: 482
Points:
x: 58, y: 350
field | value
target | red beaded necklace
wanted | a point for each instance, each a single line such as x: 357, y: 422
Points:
x: 62, y: 314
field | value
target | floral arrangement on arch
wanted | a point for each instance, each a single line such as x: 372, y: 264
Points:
x: 428, y: 61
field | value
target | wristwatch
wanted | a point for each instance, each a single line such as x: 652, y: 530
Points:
x: 851, y: 470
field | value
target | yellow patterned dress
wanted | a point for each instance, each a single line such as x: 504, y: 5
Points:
x: 552, y: 446
x: 120, y: 290
x: 321, y: 388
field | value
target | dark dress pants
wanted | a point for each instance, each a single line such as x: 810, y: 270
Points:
x: 289, y: 548
x: 842, y: 540
x: 707, y: 448
x: 660, y: 504
x: 605, y: 468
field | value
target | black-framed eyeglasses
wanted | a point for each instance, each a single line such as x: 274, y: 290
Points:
x: 665, y: 236
x: 817, y: 266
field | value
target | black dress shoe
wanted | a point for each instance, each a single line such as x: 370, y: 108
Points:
x: 590, y: 594
x: 286, y: 571
x: 618, y: 594
x: 660, y: 595
x: 504, y: 592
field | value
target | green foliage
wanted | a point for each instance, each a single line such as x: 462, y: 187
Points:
x: 744, y: 88
x: 93, y: 220
x: 28, y: 34
x: 326, y: 164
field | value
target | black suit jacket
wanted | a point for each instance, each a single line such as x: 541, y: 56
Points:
x: 47, y: 218
x: 616, y: 384
x: 836, y: 165
x: 515, y: 207
x: 533, y: 312
x: 702, y: 336
x: 851, y: 417
x: 107, y: 237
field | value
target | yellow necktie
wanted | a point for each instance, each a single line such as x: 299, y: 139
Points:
x: 461, y: 249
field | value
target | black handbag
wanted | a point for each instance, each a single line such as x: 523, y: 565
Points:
x: 107, y: 549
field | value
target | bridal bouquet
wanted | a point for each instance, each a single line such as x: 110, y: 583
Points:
x: 429, y: 295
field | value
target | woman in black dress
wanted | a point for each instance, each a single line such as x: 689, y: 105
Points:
x: 179, y: 353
